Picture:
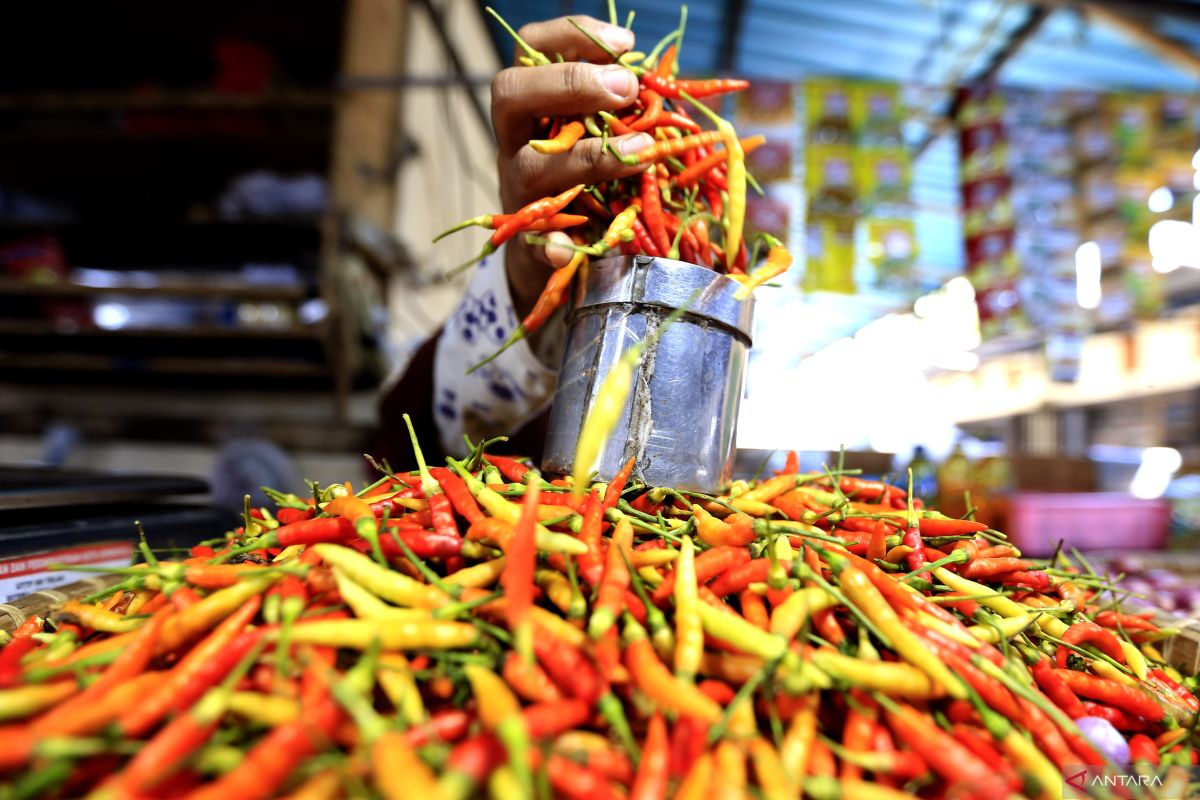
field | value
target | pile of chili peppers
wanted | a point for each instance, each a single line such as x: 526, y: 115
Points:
x: 474, y: 629
x: 689, y: 204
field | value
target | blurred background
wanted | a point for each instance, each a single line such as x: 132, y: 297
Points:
x: 215, y: 224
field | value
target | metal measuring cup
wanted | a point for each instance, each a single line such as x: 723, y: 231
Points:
x: 680, y: 418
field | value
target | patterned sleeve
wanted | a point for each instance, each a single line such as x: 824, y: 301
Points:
x: 502, y: 396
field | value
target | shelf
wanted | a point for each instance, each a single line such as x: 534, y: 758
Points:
x: 200, y: 100
x: 12, y: 288
x: 222, y: 367
x: 21, y: 327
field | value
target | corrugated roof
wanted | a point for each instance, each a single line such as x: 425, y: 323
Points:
x: 931, y: 45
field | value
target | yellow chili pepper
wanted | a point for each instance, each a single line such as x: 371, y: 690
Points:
x: 477, y: 576
x: 23, y: 701
x: 778, y: 261
x: 871, y: 602
x: 500, y: 711
x: 570, y: 133
x: 603, y: 416
x: 367, y: 606
x: 1026, y: 755
x: 399, y: 772
x: 797, y: 743
x: 895, y: 678
x: 196, y: 620
x: 397, y: 681
x: 729, y: 772
x: 97, y: 618
x: 557, y: 588
x: 788, y: 617
x: 735, y: 630
x: 267, y: 710
x: 358, y: 634
x: 773, y: 780
x: 652, y: 558
x: 698, y: 781
x: 498, y: 506
x: 689, y: 631
x: 769, y: 489
x: 383, y: 582
x: 1004, y: 627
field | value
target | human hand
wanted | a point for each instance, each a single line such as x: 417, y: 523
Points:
x: 523, y: 95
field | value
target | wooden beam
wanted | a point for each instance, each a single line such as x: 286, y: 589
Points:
x: 735, y: 13
x: 1179, y: 9
x: 1138, y: 26
x: 1037, y: 15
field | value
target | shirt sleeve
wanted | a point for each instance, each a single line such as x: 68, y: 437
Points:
x: 502, y: 396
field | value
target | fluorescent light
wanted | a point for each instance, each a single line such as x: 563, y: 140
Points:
x: 1154, y: 474
x: 1087, y: 275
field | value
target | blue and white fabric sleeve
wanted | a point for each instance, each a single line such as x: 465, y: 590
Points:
x: 501, y: 397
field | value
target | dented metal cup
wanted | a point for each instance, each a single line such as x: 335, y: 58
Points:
x: 680, y: 418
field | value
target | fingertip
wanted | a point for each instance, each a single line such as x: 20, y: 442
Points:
x: 558, y: 252
x: 631, y: 143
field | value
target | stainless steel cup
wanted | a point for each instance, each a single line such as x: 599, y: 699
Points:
x: 679, y: 420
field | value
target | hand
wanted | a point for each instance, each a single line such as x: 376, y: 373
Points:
x: 520, y: 96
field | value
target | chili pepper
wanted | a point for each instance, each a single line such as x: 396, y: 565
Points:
x: 689, y: 631
x: 702, y: 88
x: 164, y: 754
x: 943, y: 753
x: 659, y: 685
x: 554, y: 222
x: 702, y: 167
x: 698, y: 781
x: 778, y: 261
x: 610, y: 595
x: 204, y: 665
x: 568, y: 667
x: 548, y: 301
x: 735, y: 531
x: 1119, y: 719
x: 500, y: 712
x: 448, y: 725
x: 650, y: 783
x: 538, y: 209
x: 1126, y: 698
x: 566, y: 138
x: 1143, y: 748
x: 21, y: 643
x: 131, y: 662
x: 573, y: 780
x: 616, y: 486
x: 1161, y: 680
x: 1057, y: 689
x: 652, y: 210
x: 517, y: 578
x: 505, y: 511
x: 615, y: 125
x: 665, y: 148
x: 267, y: 765
x: 738, y: 578
x: 652, y: 104
x: 981, y: 568
x: 1132, y: 622
x: 1087, y: 632
x: 457, y: 491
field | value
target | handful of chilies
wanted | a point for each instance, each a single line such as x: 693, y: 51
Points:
x: 689, y: 202
x: 476, y: 629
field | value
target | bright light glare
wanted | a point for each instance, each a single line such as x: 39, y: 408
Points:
x: 1154, y: 473
x: 1174, y: 244
x: 1087, y: 275
x: 111, y: 316
x: 962, y: 361
x: 1161, y: 200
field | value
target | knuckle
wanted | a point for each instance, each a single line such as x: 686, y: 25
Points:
x: 576, y: 78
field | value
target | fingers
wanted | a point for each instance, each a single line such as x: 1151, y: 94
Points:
x: 539, y: 175
x: 521, y: 95
x: 559, y: 36
x: 558, y: 252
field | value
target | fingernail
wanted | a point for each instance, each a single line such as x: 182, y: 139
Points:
x: 634, y: 143
x: 618, y: 80
x: 619, y: 39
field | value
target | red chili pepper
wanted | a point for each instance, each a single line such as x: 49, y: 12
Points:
x: 826, y: 625
x: 183, y: 597
x: 1030, y: 579
x: 448, y: 725
x: 652, y: 104
x: 652, y: 210
x: 701, y: 88
x: 517, y: 578
x: 204, y: 665
x: 424, y: 543
x: 666, y: 63
x: 1132, y: 622
x: 553, y: 717
x: 709, y: 565
x: 512, y: 469
x: 984, y: 568
x: 666, y: 148
x: 538, y: 209
x: 1087, y: 632
x: 644, y: 240
x: 575, y: 781
x: 739, y: 577
x: 1119, y: 719
x: 696, y: 172
x: 569, y: 668
x: 947, y: 526
x: 460, y: 496
x: 612, y: 493
x: 916, y: 557
x: 944, y: 754
x: 312, y: 531
x: 1143, y: 748
x: 1165, y: 682
x: 20, y: 644
x: 650, y: 783
x: 1057, y: 689
x: 1124, y: 697
x: 529, y: 680
x: 610, y: 596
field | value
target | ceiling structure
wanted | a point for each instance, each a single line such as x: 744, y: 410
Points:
x: 930, y: 47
